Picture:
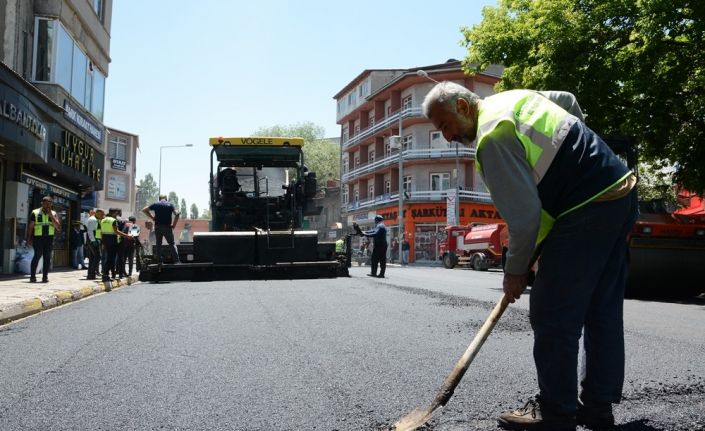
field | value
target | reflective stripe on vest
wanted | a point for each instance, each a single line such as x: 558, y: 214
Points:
x: 541, y: 126
x: 106, y: 226
x: 40, y: 220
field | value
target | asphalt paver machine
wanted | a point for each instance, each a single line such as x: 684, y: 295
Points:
x: 260, y: 191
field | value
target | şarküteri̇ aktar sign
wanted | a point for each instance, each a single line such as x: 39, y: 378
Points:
x: 77, y: 154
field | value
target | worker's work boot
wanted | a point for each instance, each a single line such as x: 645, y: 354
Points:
x: 530, y: 417
x: 597, y: 416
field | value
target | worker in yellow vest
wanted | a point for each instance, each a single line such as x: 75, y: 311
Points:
x: 109, y: 236
x: 43, y: 224
x: 561, y: 190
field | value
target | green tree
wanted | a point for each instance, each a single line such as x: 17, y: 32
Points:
x: 636, y: 67
x: 147, y: 193
x: 320, y: 154
x: 194, y: 211
x: 184, y: 208
x: 173, y: 198
x: 206, y: 214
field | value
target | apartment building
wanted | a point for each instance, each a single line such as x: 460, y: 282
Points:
x: 120, y: 172
x: 381, y: 104
x: 54, y: 60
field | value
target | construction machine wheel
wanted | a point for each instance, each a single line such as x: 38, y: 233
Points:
x: 450, y: 260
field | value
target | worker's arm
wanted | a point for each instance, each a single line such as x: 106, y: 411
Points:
x: 510, y: 181
x: 55, y: 220
x: 176, y: 217
x: 566, y: 101
x: 148, y: 213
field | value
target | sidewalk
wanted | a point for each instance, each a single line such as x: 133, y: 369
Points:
x: 20, y: 298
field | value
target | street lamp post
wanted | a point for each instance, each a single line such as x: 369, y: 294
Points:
x: 397, y: 140
x: 160, y: 161
x: 457, y: 185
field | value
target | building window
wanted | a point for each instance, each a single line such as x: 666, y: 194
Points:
x: 357, y: 196
x: 406, y: 103
x: 407, y: 184
x: 117, y: 148
x: 345, y: 133
x: 117, y: 187
x: 357, y: 129
x: 60, y: 60
x: 440, y: 181
x: 371, y: 156
x: 407, y: 142
x: 387, y: 187
x: 357, y: 161
x: 345, y: 164
x: 99, y: 9
x: 345, y: 194
x: 371, y: 191
x: 388, y: 149
x: 371, y: 119
x: 438, y: 141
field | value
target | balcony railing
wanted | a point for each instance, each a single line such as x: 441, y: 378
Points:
x: 417, y: 195
x: 384, y: 123
x: 425, y: 153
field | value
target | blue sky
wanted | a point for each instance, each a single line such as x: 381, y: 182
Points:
x: 184, y: 71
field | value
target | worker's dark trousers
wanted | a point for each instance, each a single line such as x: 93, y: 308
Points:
x: 579, y: 288
x: 110, y: 244
x: 130, y: 255
x: 120, y: 258
x: 93, y: 259
x: 379, y: 256
x: 43, y: 245
x: 161, y: 232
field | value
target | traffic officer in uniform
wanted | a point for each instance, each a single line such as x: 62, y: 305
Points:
x: 93, y: 245
x: 379, y: 250
x: 109, y: 236
x: 43, y: 223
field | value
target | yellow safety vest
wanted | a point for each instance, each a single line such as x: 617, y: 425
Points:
x: 106, y: 226
x: 42, y: 219
x: 98, y: 231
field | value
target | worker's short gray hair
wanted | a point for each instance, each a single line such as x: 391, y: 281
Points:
x: 447, y: 93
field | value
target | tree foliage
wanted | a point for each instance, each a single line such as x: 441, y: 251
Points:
x: 147, y: 193
x: 184, y: 208
x: 194, y: 211
x: 320, y: 155
x: 636, y: 67
x: 173, y: 198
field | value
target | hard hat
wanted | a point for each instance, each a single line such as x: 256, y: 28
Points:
x: 379, y: 218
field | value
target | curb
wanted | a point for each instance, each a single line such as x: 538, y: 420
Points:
x: 36, y: 305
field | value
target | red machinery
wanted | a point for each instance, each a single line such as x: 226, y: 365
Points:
x: 479, y: 246
x: 668, y: 249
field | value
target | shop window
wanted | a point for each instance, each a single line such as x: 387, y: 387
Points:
x: 440, y: 181
x: 117, y: 148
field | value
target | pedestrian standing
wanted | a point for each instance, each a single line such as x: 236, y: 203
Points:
x: 132, y: 229
x: 77, y: 240
x: 93, y: 243
x: 404, y: 251
x: 122, y: 244
x: 379, y: 244
x: 556, y: 183
x: 161, y: 212
x: 394, y: 251
x: 43, y: 224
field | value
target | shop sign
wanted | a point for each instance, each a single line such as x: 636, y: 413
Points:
x: 78, y: 155
x: 451, y: 200
x: 83, y: 123
x: 14, y: 114
x: 48, y: 188
x: 117, y: 187
x: 120, y: 165
x: 435, y: 213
